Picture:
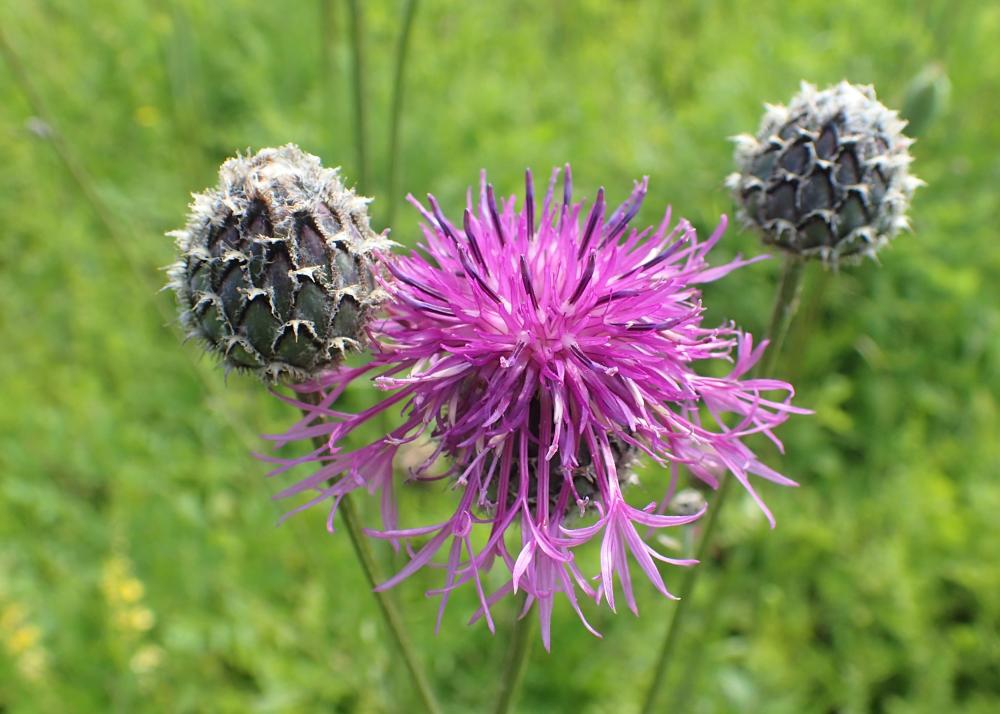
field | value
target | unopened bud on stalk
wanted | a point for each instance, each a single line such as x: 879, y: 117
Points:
x: 827, y: 176
x: 926, y: 99
x: 275, y: 270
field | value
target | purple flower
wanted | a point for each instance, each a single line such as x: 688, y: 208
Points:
x: 542, y: 351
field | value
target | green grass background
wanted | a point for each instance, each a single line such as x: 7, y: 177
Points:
x: 140, y: 566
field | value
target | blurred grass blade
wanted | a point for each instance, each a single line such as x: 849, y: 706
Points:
x: 358, y: 85
x: 398, y: 87
x: 329, y: 66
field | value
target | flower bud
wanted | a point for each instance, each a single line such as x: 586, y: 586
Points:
x: 926, y: 99
x: 827, y: 176
x: 275, y: 270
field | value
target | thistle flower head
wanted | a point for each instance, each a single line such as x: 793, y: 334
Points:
x: 275, y: 269
x: 542, y: 350
x: 827, y: 176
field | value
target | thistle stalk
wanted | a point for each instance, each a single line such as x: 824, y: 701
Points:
x: 786, y: 304
x: 517, y: 657
x: 387, y: 606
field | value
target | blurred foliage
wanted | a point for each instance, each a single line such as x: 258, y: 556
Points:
x: 139, y: 566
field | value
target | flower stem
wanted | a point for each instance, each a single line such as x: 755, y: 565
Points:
x: 357, y: 39
x: 398, y: 85
x: 517, y: 657
x: 786, y: 303
x: 686, y: 591
x: 387, y: 606
x: 808, y: 315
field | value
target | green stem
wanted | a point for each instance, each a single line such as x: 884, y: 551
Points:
x: 786, y: 302
x: 686, y: 590
x: 398, y: 85
x: 358, y: 86
x: 387, y: 606
x: 692, y: 659
x: 517, y: 657
x: 809, y: 315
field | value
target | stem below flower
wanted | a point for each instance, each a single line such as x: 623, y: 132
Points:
x: 786, y: 303
x: 517, y: 657
x: 390, y: 613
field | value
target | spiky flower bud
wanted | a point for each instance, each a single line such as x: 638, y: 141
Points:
x: 827, y: 176
x: 275, y: 270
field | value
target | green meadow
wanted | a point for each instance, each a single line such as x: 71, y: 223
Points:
x: 142, y: 568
